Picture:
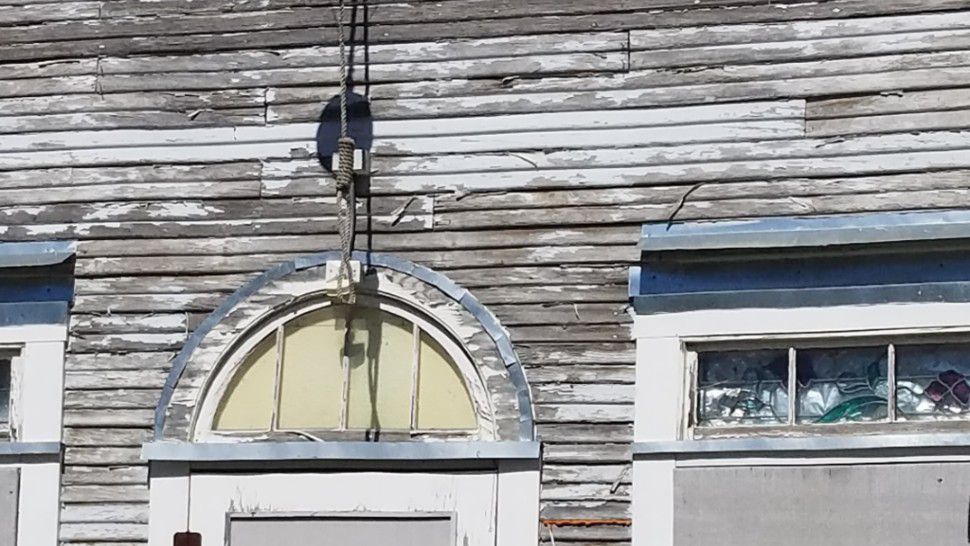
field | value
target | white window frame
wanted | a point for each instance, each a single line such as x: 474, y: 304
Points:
x: 663, y: 397
x: 36, y: 420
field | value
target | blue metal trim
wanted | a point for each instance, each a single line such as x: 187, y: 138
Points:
x: 36, y: 254
x: 16, y: 449
x: 806, y: 444
x: 39, y: 312
x: 488, y: 321
x: 340, y: 451
x: 804, y: 297
x: 810, y: 231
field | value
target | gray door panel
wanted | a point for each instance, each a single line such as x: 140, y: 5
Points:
x: 889, y: 505
x: 364, y: 530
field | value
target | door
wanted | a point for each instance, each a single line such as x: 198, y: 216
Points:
x: 349, y: 529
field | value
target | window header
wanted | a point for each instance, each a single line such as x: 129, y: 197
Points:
x: 858, y: 259
x: 806, y: 231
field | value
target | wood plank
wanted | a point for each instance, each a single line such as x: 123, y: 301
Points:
x: 129, y: 174
x: 127, y: 323
x: 132, y: 192
x: 172, y: 284
x: 113, y: 437
x: 123, y: 343
x: 585, y: 413
x: 717, y: 35
x: 116, y: 379
x: 133, y: 120
x: 550, y: 393
x: 89, y: 532
x: 132, y: 512
x: 128, y: 361
x: 112, y: 399
x: 579, y: 432
x: 573, y: 354
x: 578, y: 374
x: 888, y: 103
x: 920, y: 121
x: 377, y: 55
x: 186, y: 102
x: 499, y: 67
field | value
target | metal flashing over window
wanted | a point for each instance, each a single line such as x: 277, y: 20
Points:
x: 807, y: 231
x: 36, y: 254
x: 858, y: 259
x: 36, y: 282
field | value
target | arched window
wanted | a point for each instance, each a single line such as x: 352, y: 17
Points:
x: 326, y: 367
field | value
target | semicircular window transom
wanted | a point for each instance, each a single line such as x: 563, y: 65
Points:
x: 348, y: 368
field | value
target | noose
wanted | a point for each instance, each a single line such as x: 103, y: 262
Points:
x: 346, y: 201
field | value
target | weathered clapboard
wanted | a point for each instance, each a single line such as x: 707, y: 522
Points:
x: 518, y: 147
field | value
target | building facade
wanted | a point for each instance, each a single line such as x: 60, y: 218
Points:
x: 657, y: 272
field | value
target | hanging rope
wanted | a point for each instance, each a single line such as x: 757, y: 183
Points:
x: 346, y: 201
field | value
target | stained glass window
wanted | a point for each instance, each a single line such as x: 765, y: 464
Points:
x: 932, y: 381
x: 743, y: 387
x: 841, y: 385
x: 820, y: 385
x: 347, y: 368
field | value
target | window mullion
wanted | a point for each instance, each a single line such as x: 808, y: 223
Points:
x: 345, y: 370
x: 278, y: 380
x: 891, y: 382
x: 792, y: 386
x: 415, y: 365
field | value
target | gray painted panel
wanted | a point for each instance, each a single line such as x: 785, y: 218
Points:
x: 9, y: 496
x: 898, y: 504
x: 363, y: 530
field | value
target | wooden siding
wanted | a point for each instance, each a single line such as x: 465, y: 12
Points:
x: 519, y: 147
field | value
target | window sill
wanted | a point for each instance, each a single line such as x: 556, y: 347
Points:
x: 907, y: 444
x: 23, y: 449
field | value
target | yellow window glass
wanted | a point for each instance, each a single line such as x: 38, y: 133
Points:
x: 381, y: 371
x: 248, y: 402
x: 312, y: 380
x: 443, y: 400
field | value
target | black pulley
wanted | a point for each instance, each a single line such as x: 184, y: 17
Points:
x: 360, y: 127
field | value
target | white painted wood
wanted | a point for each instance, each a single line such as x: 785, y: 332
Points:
x: 844, y: 320
x: 661, y: 374
x: 169, y: 493
x: 39, y: 393
x: 409, y: 134
x: 517, y: 511
x: 39, y: 504
x: 470, y: 495
x: 653, y: 503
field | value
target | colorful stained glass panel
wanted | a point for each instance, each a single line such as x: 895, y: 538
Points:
x: 932, y: 381
x: 841, y: 385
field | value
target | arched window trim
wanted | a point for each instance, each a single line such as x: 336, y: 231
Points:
x: 388, y: 299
